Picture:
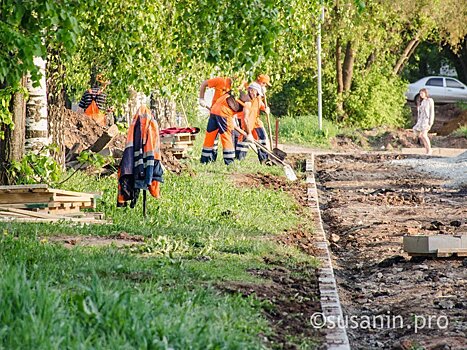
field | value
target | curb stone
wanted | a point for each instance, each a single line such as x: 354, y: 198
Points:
x: 336, y: 337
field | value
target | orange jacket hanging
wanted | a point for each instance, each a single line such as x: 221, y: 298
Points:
x: 140, y: 167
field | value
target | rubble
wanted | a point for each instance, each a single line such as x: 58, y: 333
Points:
x: 373, y: 272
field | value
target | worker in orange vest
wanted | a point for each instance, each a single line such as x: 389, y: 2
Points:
x: 93, y: 101
x: 221, y: 85
x: 252, y: 124
x: 221, y: 122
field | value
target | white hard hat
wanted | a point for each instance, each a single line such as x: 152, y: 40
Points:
x: 256, y: 87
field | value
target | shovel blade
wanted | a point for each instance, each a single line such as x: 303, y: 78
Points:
x: 279, y: 153
x: 289, y: 173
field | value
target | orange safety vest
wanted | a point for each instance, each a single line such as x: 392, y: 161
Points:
x: 220, y: 85
x: 93, y: 111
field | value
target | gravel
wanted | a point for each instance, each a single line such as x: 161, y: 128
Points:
x: 453, y: 169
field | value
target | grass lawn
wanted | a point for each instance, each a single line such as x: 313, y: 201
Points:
x: 160, y: 294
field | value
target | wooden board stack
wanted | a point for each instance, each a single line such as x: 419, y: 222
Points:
x: 179, y: 144
x: 39, y: 203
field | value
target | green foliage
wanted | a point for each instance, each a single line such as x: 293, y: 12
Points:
x: 5, y: 114
x: 122, y: 128
x: 427, y: 60
x: 36, y: 168
x: 303, y: 130
x: 299, y: 96
x: 377, y: 98
x: 461, y: 132
x: 23, y: 27
x: 462, y: 105
x: 95, y: 160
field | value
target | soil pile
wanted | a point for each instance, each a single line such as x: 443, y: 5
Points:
x: 81, y: 129
x: 453, y: 124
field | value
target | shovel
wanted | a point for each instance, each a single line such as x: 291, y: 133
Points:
x: 289, y: 173
x: 279, y: 153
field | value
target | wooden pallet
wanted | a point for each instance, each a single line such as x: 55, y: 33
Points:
x: 28, y: 203
x: 445, y: 253
x: 178, y: 144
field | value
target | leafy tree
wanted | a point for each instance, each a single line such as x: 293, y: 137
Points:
x: 25, y: 26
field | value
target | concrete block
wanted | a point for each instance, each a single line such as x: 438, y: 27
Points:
x: 328, y: 280
x: 431, y: 244
x: 310, y: 180
x: 338, y: 347
x: 464, y: 241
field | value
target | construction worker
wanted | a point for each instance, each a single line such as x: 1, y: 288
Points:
x: 263, y: 80
x: 221, y: 122
x: 93, y: 101
x: 252, y: 123
x: 221, y: 85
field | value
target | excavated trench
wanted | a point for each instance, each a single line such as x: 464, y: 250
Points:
x: 390, y: 300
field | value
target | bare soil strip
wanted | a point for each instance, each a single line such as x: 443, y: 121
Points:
x: 368, y: 205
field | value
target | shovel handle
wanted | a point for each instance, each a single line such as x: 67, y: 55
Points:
x: 265, y: 149
x: 269, y: 121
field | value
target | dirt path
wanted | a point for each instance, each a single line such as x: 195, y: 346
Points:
x: 368, y: 204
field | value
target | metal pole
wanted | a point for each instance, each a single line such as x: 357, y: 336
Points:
x: 144, y: 204
x: 320, y: 90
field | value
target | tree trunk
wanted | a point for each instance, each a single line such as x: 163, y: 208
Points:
x: 408, y: 51
x: 459, y: 60
x: 340, y: 81
x: 370, y: 60
x: 12, y: 146
x: 348, y: 66
x: 36, y: 112
x: 164, y: 110
x: 56, y: 99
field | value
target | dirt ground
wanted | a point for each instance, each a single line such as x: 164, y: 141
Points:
x: 289, y: 299
x: 122, y: 239
x: 368, y: 204
x: 293, y: 290
x: 448, y: 118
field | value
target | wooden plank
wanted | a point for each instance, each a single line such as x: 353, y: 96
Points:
x: 73, y: 193
x: 447, y: 252
x: 72, y: 153
x: 68, y: 199
x: 10, y: 214
x: 104, y: 139
x: 31, y: 206
x: 29, y: 213
x: 71, y: 220
x: 27, y: 197
x: 23, y: 187
x: 190, y: 143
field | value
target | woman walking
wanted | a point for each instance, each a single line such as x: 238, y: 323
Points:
x: 426, y: 117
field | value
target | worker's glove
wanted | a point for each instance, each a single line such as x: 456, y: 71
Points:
x: 267, y: 110
x: 202, y: 102
x: 249, y: 138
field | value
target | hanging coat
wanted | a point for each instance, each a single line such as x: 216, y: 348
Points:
x: 140, y: 167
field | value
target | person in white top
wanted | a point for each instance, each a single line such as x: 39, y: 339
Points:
x: 426, y: 117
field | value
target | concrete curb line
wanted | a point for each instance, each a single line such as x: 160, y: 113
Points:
x: 336, y: 337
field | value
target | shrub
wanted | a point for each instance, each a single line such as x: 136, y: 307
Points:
x: 376, y: 99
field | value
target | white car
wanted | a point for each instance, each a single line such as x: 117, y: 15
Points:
x: 440, y: 89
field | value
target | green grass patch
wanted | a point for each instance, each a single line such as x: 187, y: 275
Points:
x: 304, y: 130
x: 461, y: 132
x: 159, y: 294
